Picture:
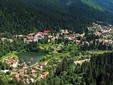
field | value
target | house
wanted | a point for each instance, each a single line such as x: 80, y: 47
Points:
x: 24, y: 64
x: 15, y: 64
x: 26, y: 40
x: 34, y: 75
x: 5, y: 71
x: 32, y: 80
x: 70, y: 37
x: 21, y: 71
x: 27, y: 76
x: 107, y: 41
x: 7, y: 40
x: 3, y: 39
x: 10, y: 40
x: 41, y: 67
x: 97, y: 33
x: 64, y: 31
x: 34, y: 71
x: 39, y: 36
x: 37, y: 68
x: 77, y: 41
x: 17, y: 78
x: 12, y: 62
x: 27, y: 81
x: 46, y: 31
x: 79, y: 36
x: 18, y: 36
x: 30, y: 36
x: 25, y: 71
x: 45, y: 73
x: 43, y: 76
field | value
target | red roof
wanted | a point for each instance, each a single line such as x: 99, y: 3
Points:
x: 46, y: 31
x: 30, y: 36
x: 33, y: 71
x: 21, y: 70
x: 45, y: 73
x: 70, y: 35
x: 27, y: 76
x: 17, y: 78
x: 40, y: 33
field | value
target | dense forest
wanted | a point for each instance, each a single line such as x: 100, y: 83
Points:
x: 98, y: 71
x: 25, y: 16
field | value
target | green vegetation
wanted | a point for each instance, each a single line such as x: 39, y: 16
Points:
x: 6, y: 47
x: 23, y: 17
x: 75, y: 53
x: 97, y: 72
x: 93, y: 4
x: 66, y: 61
x: 61, y: 66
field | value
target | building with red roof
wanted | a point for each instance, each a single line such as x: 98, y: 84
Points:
x: 70, y: 36
x: 17, y: 78
x: 46, y: 31
x: 44, y: 74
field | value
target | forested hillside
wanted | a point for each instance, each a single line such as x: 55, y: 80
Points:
x: 91, y: 9
x: 25, y: 16
x: 105, y: 6
x: 98, y: 71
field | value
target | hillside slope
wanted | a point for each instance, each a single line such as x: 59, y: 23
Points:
x: 25, y: 16
x: 99, y: 10
x: 106, y: 4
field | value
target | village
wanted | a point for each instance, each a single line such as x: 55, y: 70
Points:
x: 26, y: 73
x: 103, y: 32
x: 22, y: 71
